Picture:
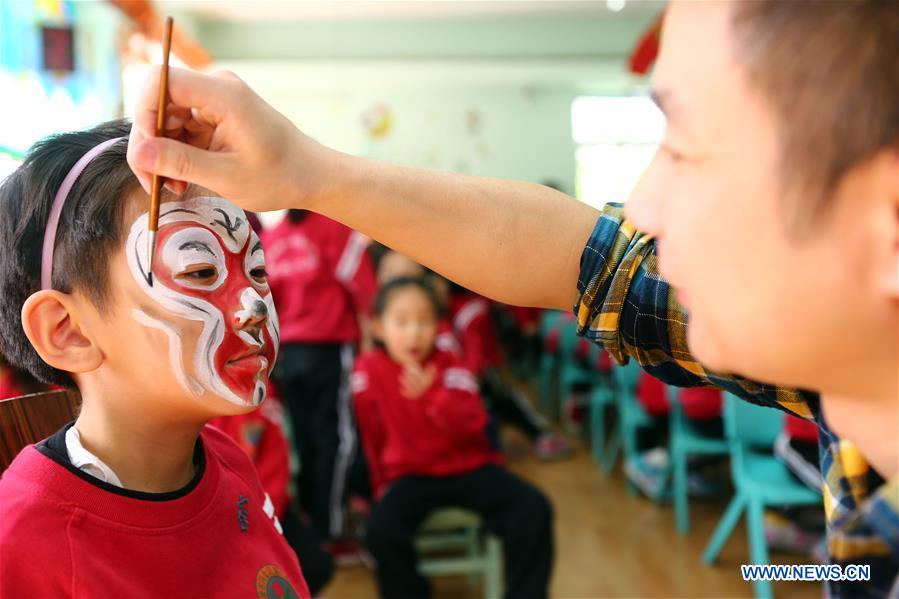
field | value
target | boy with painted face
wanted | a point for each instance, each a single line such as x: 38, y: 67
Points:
x: 137, y: 497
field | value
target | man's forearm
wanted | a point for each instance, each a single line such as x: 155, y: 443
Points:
x: 515, y: 242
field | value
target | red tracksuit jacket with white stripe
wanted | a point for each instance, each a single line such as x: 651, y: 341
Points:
x: 321, y: 277
x: 473, y: 325
x: 442, y: 433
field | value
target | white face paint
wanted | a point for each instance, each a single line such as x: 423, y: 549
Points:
x: 210, y: 269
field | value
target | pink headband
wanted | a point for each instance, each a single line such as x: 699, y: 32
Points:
x: 56, y: 209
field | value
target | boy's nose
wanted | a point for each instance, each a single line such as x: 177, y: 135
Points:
x: 259, y: 314
x: 253, y: 312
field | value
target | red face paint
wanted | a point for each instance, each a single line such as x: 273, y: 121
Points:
x: 247, y: 351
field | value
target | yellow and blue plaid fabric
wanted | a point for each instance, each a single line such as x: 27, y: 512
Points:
x: 624, y: 305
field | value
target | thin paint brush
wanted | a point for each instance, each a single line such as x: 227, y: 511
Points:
x: 156, y: 187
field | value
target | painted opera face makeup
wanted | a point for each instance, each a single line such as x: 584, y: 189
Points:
x: 210, y: 268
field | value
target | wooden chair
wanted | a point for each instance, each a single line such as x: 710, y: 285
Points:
x: 31, y: 418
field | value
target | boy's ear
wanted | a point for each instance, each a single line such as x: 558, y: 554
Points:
x: 51, y: 323
x: 377, y: 331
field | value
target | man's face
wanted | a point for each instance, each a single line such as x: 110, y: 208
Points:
x: 206, y: 328
x: 762, y: 303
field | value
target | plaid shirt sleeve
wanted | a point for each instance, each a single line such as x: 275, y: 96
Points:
x: 624, y: 305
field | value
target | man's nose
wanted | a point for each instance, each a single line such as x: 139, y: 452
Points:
x: 645, y: 204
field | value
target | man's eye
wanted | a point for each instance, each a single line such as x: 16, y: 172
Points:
x: 259, y: 273
x: 201, y: 274
x: 673, y: 155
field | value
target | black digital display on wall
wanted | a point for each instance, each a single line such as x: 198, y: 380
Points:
x: 58, y: 48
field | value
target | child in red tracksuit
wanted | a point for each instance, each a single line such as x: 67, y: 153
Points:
x: 139, y: 496
x: 422, y: 426
x: 323, y: 282
x: 473, y: 325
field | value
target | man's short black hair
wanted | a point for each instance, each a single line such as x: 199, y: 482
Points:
x: 90, y: 230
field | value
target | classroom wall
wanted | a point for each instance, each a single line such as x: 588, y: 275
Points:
x: 477, y: 119
x: 487, y: 96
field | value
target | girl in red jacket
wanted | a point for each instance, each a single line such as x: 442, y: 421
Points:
x: 422, y: 426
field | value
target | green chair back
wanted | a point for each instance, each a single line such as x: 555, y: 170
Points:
x: 750, y: 425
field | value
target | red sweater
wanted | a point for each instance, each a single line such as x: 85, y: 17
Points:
x: 441, y: 433
x: 470, y: 315
x: 62, y: 536
x: 446, y: 339
x: 700, y: 403
x: 321, y: 277
x: 261, y: 435
x: 9, y: 387
x: 801, y: 429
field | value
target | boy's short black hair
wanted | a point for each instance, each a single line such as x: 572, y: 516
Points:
x: 90, y: 229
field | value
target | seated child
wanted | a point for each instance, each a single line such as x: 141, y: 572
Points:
x: 422, y: 426
x: 473, y: 324
x: 137, y: 497
x: 393, y: 265
x: 701, y: 407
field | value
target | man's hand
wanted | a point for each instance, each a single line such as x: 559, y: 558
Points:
x: 221, y: 135
x: 481, y: 233
x: 415, y: 380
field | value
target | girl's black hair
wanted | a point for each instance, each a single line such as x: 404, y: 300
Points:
x: 389, y: 289
x: 90, y: 230
x: 382, y: 300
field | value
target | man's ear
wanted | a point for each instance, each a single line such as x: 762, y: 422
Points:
x: 893, y: 276
x: 51, y: 323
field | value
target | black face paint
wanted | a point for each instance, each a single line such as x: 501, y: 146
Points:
x: 196, y: 245
x: 148, y: 277
x: 229, y: 225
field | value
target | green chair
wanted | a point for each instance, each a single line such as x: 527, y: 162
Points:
x: 550, y: 321
x: 759, y: 478
x: 451, y: 543
x: 631, y: 416
x: 571, y: 370
x: 683, y: 442
x: 602, y: 396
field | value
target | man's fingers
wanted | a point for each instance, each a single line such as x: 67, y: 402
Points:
x: 142, y: 175
x: 176, y: 117
x: 186, y: 88
x: 180, y: 161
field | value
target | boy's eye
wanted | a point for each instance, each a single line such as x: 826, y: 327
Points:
x: 259, y: 274
x: 200, y: 275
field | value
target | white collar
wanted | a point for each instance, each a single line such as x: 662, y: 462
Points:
x: 86, y: 461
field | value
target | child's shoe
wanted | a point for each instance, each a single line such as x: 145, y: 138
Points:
x: 782, y: 534
x: 550, y: 446
x: 646, y: 471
